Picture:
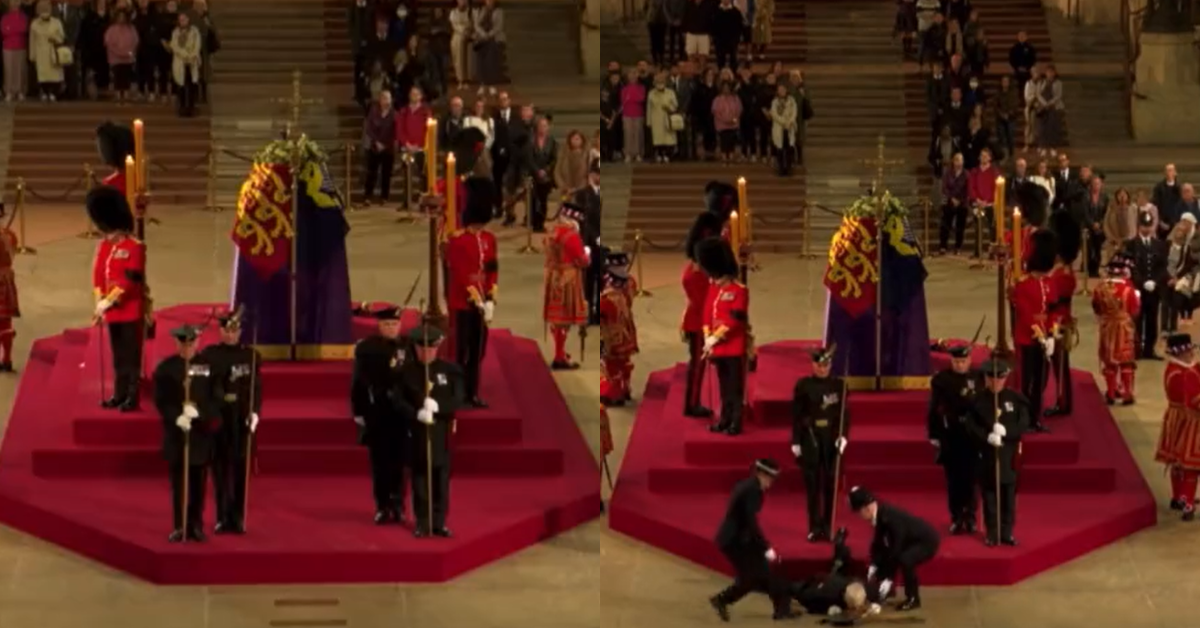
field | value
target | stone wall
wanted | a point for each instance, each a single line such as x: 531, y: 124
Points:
x: 604, y: 12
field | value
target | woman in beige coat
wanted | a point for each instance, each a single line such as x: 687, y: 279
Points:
x: 661, y: 104
x: 45, y: 37
x: 570, y: 172
x: 784, y: 115
x: 1120, y: 224
x: 185, y: 46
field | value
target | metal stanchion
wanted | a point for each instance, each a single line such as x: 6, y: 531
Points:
x: 145, y: 192
x: 406, y: 212
x: 980, y: 260
x: 637, y: 255
x: 927, y: 209
x: 89, y: 181
x: 346, y: 187
x: 528, y: 247
x: 1084, y: 288
x: 806, y: 240
x: 211, y: 183
x: 22, y: 248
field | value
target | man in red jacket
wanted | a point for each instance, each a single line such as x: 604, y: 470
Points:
x: 118, y: 283
x: 1032, y: 297
x: 472, y: 275
x: 411, y: 121
x: 726, y: 321
x: 981, y: 191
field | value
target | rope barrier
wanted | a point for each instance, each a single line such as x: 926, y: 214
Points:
x: 73, y: 188
x: 528, y: 248
x: 22, y: 247
x: 637, y: 257
x: 89, y: 230
x: 660, y: 247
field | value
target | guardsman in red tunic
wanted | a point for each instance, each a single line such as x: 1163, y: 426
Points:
x: 720, y: 200
x: 1117, y: 304
x: 115, y: 143
x: 10, y: 306
x: 472, y: 274
x: 726, y: 326
x: 118, y: 282
x: 566, y: 259
x: 1179, y: 440
x: 1062, y: 319
x: 618, y: 332
x: 1031, y: 298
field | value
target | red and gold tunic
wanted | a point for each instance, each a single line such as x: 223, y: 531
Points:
x: 472, y: 269
x: 119, y: 275
x: 1031, y: 298
x: 618, y: 331
x: 728, y: 315
x: 1062, y: 278
x: 695, y: 290
x: 566, y: 259
x: 1179, y: 440
x: 10, y: 306
x: 1116, y: 303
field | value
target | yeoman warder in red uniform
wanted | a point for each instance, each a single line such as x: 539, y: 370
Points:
x: 1179, y: 440
x: 618, y: 332
x: 10, y: 306
x: 563, y: 304
x: 118, y: 283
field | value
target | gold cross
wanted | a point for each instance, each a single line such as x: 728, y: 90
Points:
x: 880, y: 163
x: 296, y: 103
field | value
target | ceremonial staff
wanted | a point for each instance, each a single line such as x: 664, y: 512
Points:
x: 837, y: 463
x: 428, y: 434
x: 996, y: 450
x: 250, y: 432
x: 293, y: 272
x: 187, y: 446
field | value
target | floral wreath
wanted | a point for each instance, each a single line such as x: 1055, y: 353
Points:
x: 281, y: 151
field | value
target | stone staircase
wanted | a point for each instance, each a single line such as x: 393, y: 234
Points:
x: 624, y: 43
x: 51, y: 143
x: 617, y: 187
x: 789, y: 32
x: 263, y: 44
x: 6, y: 136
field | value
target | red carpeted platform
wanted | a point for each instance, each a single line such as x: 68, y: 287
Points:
x: 92, y: 481
x: 1080, y: 487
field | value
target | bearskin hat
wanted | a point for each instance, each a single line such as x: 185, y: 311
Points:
x: 115, y: 143
x: 467, y: 145
x: 1044, y: 245
x: 616, y: 266
x: 706, y: 225
x: 109, y: 210
x: 720, y: 199
x: 716, y: 257
x: 481, y: 198
x: 1033, y: 201
x: 1069, y: 234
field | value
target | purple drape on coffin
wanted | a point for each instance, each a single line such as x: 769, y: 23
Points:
x: 323, y: 308
x: 905, y: 339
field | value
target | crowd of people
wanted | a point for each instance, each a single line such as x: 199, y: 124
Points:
x: 121, y: 50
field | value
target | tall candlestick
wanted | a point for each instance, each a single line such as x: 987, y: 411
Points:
x: 130, y: 179
x: 735, y: 232
x: 1016, y: 236
x: 744, y: 208
x: 431, y: 148
x: 451, y: 193
x: 998, y: 209
x: 139, y: 156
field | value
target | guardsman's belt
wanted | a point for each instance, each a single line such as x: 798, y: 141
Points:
x: 821, y: 423
x: 230, y: 398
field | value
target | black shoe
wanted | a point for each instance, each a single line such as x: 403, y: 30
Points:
x: 476, y: 402
x: 1128, y: 401
x: 1189, y: 514
x: 784, y: 614
x: 112, y: 402
x: 989, y: 541
x: 718, y: 428
x: 970, y: 524
x: 1040, y: 428
x: 957, y: 529
x: 733, y: 430
x: 419, y: 532
x: 698, y: 412
x: 222, y: 528
x: 1053, y: 412
x: 396, y: 515
x: 382, y: 517
x: 443, y: 532
x: 841, y: 536
x: 6, y: 367
x: 1176, y: 504
x: 818, y: 536
x: 196, y: 534
x: 609, y: 402
x: 720, y: 607
x: 175, y: 537
x: 628, y: 397
x: 1009, y: 541
x: 129, y: 405
x: 911, y: 604
x: 562, y: 365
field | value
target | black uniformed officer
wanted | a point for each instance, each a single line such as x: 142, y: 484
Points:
x: 952, y: 393
x: 902, y: 542
x: 744, y: 545
x: 819, y: 437
x: 836, y: 593
x: 237, y: 393
x: 436, y: 388
x: 382, y: 413
x: 183, y: 397
x: 999, y: 418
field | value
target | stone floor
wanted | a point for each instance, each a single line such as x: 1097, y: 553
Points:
x: 589, y: 577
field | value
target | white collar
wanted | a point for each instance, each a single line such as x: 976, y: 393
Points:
x: 1178, y: 362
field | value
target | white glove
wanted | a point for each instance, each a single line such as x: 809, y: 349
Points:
x: 431, y: 405
x: 871, y: 571
x: 840, y: 443
x: 184, y: 423
x: 359, y: 421
x: 834, y: 611
x: 709, y: 343
x: 587, y: 250
x: 1149, y: 286
x: 489, y: 311
x: 772, y: 556
x: 796, y: 450
x: 885, y: 587
x: 1048, y: 343
x: 425, y: 416
x: 935, y: 443
x: 190, y: 411
x: 102, y: 306
x: 995, y: 440
x: 999, y: 430
x: 874, y: 609
x: 253, y: 422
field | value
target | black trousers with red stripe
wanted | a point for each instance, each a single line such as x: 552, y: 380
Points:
x: 695, y: 372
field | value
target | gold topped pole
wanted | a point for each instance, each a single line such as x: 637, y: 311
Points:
x: 880, y: 163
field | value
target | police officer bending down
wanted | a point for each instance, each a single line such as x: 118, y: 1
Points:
x: 237, y: 383
x: 382, y: 414
x: 437, y: 388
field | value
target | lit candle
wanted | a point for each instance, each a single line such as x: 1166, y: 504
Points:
x: 735, y: 236
x: 130, y: 178
x: 998, y: 209
x: 744, y: 207
x: 1016, y: 236
x: 451, y: 192
x: 431, y: 148
x: 139, y: 155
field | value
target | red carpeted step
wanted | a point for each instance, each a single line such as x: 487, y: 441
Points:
x: 869, y: 445
x: 685, y: 480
